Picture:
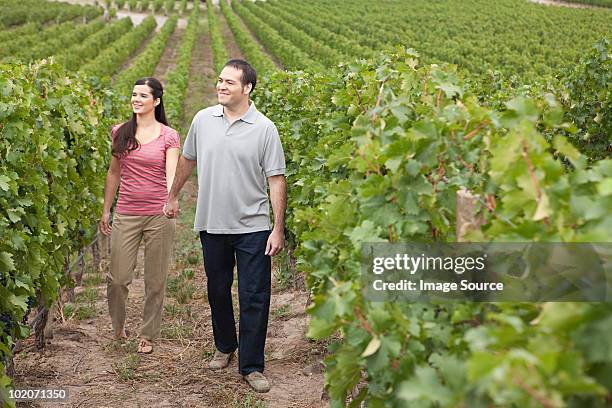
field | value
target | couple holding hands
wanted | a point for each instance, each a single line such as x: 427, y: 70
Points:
x: 238, y: 154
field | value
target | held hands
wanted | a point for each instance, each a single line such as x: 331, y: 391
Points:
x: 276, y: 242
x: 105, y: 223
x: 171, y: 208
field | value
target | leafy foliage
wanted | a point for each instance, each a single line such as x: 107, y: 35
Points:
x: 145, y: 5
x: 157, y: 5
x: 178, y: 78
x: 377, y: 151
x: 601, y: 3
x: 54, y: 145
x: 23, y: 43
x: 220, y: 56
x: 515, y: 37
x: 316, y: 26
x: 169, y: 6
x: 51, y: 41
x: 19, y: 31
x: 144, y: 64
x: 110, y: 60
x: 79, y: 53
x: 317, y: 49
x: 15, y: 12
x: 288, y: 54
x: 248, y: 45
x: 588, y: 100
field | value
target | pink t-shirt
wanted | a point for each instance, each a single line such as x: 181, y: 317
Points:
x: 143, y: 189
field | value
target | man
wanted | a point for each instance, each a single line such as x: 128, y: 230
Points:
x: 237, y: 151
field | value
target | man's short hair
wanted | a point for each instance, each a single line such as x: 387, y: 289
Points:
x: 249, y: 76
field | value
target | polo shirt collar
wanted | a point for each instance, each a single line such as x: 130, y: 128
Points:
x: 217, y: 110
x: 249, y: 116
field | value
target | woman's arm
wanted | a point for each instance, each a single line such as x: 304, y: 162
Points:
x: 172, y: 156
x: 113, y: 177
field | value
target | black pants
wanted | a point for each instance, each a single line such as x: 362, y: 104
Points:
x: 221, y: 253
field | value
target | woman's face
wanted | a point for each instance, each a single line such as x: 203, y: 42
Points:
x: 142, y: 100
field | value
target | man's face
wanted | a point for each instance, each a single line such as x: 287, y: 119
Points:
x: 230, y: 91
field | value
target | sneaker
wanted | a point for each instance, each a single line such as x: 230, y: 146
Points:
x: 257, y: 381
x: 220, y: 360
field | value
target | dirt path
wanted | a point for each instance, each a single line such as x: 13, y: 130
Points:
x: 167, y: 61
x: 202, y: 75
x: 567, y: 4
x: 233, y: 51
x: 100, y: 372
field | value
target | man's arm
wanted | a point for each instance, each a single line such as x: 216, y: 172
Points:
x: 278, y: 196
x: 184, y: 168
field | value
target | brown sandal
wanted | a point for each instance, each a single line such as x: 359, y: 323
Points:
x: 145, y: 347
x: 124, y: 335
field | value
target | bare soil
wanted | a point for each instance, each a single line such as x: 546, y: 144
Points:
x: 202, y: 76
x: 101, y: 372
x: 233, y: 50
x: 167, y: 61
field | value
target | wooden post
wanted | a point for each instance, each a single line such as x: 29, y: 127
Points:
x: 78, y: 277
x: 69, y: 290
x: 10, y: 366
x: 50, y: 321
x: 467, y: 217
x: 42, y: 314
x: 95, y: 254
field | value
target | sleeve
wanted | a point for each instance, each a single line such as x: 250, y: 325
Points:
x: 273, y: 155
x: 172, y: 139
x: 190, y: 148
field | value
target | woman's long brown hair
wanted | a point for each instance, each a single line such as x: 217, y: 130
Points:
x: 126, y: 141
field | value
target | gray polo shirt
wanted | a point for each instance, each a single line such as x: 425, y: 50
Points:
x: 233, y: 162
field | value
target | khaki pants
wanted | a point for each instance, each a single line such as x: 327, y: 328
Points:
x: 128, y: 231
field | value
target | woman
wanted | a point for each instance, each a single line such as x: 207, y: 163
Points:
x: 143, y: 163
